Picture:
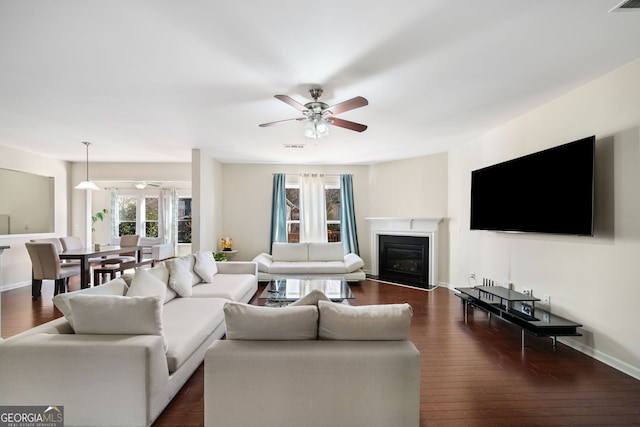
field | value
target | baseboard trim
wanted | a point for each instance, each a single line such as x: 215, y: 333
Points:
x: 14, y: 286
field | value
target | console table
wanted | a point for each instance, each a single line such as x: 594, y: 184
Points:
x: 518, y: 309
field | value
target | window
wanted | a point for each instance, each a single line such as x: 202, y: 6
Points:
x: 138, y: 209
x: 332, y: 194
x: 151, y: 217
x: 127, y: 215
x: 184, y: 220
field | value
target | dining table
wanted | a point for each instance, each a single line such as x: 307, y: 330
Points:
x: 85, y: 254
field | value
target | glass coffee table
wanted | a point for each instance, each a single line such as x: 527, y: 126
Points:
x: 283, y: 291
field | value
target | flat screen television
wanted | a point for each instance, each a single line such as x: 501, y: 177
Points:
x: 550, y: 191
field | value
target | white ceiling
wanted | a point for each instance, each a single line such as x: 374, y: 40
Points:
x: 149, y: 80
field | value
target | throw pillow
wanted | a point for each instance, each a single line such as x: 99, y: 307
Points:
x: 250, y: 322
x: 180, y: 279
x: 387, y: 322
x: 146, y: 284
x: 113, y: 287
x: 311, y: 298
x: 205, y: 266
x: 161, y: 272
x: 117, y: 315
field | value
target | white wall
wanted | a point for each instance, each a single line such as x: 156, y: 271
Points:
x: 591, y: 280
x: 16, y: 266
x: 208, y: 184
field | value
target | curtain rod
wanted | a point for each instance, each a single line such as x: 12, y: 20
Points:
x: 312, y: 173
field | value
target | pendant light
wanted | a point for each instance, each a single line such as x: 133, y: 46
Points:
x: 87, y: 185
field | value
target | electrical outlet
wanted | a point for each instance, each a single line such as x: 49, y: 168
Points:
x: 546, y: 299
x: 526, y: 291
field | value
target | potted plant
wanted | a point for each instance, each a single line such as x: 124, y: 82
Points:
x: 219, y: 256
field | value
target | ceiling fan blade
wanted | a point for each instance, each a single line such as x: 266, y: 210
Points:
x: 350, y: 104
x: 281, y: 121
x: 295, y: 104
x: 347, y: 124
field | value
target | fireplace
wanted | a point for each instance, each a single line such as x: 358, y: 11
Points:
x: 406, y: 227
x: 404, y: 259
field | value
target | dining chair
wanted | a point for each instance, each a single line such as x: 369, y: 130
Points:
x: 46, y: 265
x: 76, y: 242
x: 126, y: 259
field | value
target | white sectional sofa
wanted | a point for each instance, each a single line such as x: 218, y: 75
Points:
x: 314, y: 366
x: 309, y: 260
x: 124, y: 348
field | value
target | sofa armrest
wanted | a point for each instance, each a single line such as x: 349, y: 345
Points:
x: 353, y: 262
x: 163, y: 251
x: 264, y: 261
x: 80, y: 371
x: 237, y: 267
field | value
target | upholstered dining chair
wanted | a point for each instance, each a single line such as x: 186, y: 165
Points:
x: 46, y: 266
x: 126, y: 241
x: 76, y: 242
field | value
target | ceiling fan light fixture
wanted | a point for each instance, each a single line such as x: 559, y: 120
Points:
x: 316, y: 127
x: 87, y: 185
x: 140, y: 185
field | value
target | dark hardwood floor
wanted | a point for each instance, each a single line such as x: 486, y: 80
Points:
x: 473, y: 374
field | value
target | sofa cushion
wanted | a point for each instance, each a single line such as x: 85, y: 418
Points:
x: 230, y: 286
x: 205, y: 266
x: 302, y: 268
x: 117, y: 315
x: 180, y: 276
x: 187, y: 323
x: 387, y: 322
x: 250, y: 322
x: 326, y: 251
x: 289, y: 251
x: 145, y: 284
x: 113, y: 287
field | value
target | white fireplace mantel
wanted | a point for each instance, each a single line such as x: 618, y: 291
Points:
x: 406, y: 226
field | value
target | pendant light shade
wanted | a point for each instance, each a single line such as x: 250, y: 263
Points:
x: 87, y: 185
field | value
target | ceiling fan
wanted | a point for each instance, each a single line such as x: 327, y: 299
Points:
x: 141, y: 185
x: 318, y: 115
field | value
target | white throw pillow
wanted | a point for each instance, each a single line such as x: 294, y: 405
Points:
x: 161, y: 272
x: 250, y: 322
x: 386, y: 322
x: 311, y: 298
x: 117, y: 315
x: 180, y: 279
x: 114, y: 287
x: 205, y: 266
x: 289, y: 251
x: 145, y: 284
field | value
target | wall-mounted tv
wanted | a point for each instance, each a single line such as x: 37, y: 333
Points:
x: 550, y: 191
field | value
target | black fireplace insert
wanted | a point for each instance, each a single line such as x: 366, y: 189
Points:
x: 404, y: 259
